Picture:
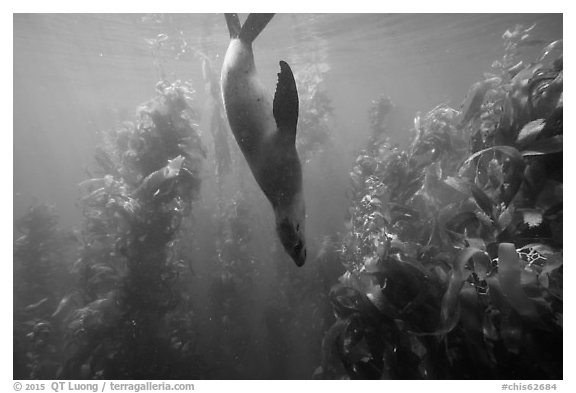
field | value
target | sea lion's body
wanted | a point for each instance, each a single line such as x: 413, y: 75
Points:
x: 266, y: 131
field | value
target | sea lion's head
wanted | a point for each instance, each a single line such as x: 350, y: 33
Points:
x: 290, y: 223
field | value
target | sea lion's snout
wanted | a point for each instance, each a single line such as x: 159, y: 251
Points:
x: 292, y: 238
x: 299, y: 255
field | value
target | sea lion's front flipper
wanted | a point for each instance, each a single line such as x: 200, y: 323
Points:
x: 233, y: 23
x: 286, y: 102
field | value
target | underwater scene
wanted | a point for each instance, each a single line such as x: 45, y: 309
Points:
x: 289, y: 196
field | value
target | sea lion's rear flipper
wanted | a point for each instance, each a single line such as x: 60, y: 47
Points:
x: 233, y: 23
x: 253, y: 25
x: 286, y: 102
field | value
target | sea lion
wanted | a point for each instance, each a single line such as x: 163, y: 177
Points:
x: 266, y: 131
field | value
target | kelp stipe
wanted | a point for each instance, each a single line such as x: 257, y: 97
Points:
x: 454, y: 247
x: 316, y: 110
x: 310, y: 59
x: 231, y: 290
x: 42, y: 257
x: 133, y: 322
x: 218, y: 123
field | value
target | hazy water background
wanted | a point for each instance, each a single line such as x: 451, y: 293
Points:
x: 77, y: 74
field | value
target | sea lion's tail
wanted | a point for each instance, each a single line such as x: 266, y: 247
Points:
x: 253, y: 25
x: 233, y: 25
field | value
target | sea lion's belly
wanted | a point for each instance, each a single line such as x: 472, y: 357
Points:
x: 277, y: 170
x: 249, y: 112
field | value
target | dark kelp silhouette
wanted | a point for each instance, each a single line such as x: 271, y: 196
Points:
x: 133, y: 320
x: 454, y: 246
x: 42, y: 252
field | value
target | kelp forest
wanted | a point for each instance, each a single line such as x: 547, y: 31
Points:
x: 450, y: 265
